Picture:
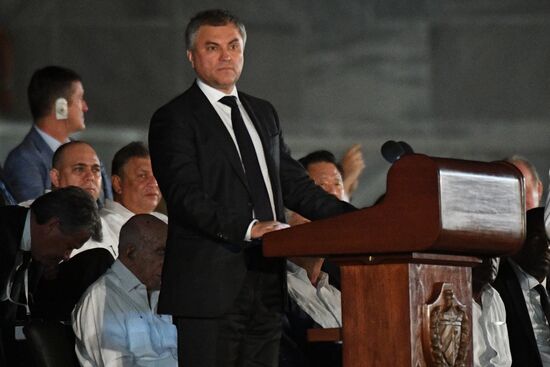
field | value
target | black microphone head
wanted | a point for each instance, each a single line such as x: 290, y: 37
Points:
x: 406, y: 148
x: 391, y: 151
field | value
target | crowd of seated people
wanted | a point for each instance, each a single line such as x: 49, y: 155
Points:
x: 64, y: 233
x: 87, y: 250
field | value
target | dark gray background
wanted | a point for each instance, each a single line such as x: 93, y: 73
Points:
x: 463, y: 79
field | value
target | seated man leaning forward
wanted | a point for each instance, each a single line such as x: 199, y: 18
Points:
x: 73, y: 164
x: 135, y: 192
x: 115, y: 322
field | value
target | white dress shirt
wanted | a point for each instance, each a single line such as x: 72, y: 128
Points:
x: 213, y: 95
x: 52, y: 142
x: 321, y: 303
x: 532, y: 300
x: 117, y: 326
x: 490, y: 334
x: 113, y: 216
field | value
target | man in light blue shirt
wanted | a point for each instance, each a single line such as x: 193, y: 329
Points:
x: 116, y: 321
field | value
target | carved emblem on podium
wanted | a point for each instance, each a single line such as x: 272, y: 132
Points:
x: 445, y: 330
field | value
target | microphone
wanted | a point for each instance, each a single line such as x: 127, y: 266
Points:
x: 392, y: 150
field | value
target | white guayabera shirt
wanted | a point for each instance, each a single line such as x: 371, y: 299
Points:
x: 117, y: 326
x: 490, y: 334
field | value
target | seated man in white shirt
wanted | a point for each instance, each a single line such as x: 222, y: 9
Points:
x: 313, y: 301
x: 490, y: 334
x: 521, y: 284
x: 135, y: 191
x: 115, y: 322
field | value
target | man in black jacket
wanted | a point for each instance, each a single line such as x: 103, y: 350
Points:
x: 519, y: 285
x: 227, y: 175
x: 34, y: 241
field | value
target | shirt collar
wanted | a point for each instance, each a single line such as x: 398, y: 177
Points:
x: 128, y: 281
x: 213, y: 94
x: 118, y: 208
x: 26, y: 237
x: 51, y: 141
x: 526, y: 281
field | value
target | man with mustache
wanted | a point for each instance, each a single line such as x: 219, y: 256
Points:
x: 135, y: 191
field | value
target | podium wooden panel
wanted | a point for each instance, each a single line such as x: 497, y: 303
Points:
x: 406, y: 262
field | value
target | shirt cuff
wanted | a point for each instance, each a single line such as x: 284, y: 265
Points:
x: 247, y: 236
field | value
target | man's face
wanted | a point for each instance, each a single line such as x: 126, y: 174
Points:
x: 77, y: 106
x: 327, y: 176
x: 486, y: 272
x: 533, y: 189
x: 49, y: 245
x: 137, y: 188
x: 217, y: 56
x: 534, y: 257
x: 148, y: 262
x: 78, y: 166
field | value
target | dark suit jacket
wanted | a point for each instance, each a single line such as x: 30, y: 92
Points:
x: 12, y: 221
x: 28, y: 165
x: 200, y: 174
x: 520, y: 330
x: 296, y: 351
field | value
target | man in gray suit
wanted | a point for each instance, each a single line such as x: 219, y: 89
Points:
x: 56, y: 99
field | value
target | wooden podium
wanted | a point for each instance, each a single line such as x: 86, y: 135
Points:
x: 406, y: 262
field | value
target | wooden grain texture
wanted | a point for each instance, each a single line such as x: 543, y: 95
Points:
x: 408, y: 219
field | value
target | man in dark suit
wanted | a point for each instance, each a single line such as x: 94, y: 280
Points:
x: 33, y: 243
x: 226, y: 173
x: 525, y: 299
x: 56, y: 100
x: 6, y: 198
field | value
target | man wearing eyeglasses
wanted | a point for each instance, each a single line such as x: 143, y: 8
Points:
x: 34, y: 241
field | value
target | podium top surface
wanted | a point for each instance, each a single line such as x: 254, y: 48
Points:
x: 431, y: 205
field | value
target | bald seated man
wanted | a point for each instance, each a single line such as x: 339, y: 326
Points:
x: 76, y: 164
x: 116, y: 322
x: 73, y: 164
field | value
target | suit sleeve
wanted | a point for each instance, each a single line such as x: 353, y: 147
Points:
x: 24, y: 178
x: 174, y: 156
x: 300, y: 193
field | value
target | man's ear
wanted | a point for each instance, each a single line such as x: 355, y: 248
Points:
x: 52, y: 224
x: 539, y: 191
x: 130, y: 252
x: 54, y: 177
x: 117, y: 184
x: 190, y: 58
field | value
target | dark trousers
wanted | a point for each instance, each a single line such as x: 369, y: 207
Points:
x: 248, y: 334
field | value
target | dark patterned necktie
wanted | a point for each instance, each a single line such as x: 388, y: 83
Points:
x: 253, y: 173
x: 544, y: 301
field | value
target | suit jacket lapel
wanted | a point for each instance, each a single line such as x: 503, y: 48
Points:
x: 518, y: 300
x: 210, y: 119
